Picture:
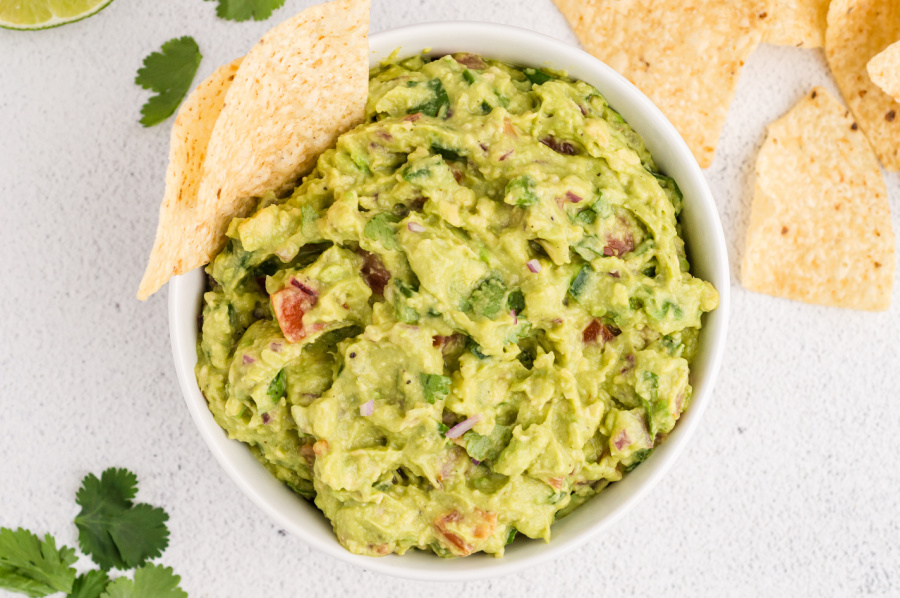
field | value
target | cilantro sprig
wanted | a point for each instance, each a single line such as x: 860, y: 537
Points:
x: 112, y: 530
x: 244, y: 10
x: 150, y: 581
x: 169, y: 73
x: 34, y: 567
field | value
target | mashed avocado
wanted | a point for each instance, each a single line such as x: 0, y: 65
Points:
x: 472, y: 316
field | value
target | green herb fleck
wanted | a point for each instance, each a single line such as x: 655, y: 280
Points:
x: 537, y: 77
x: 472, y: 346
x: 516, y: 301
x: 381, y: 229
x: 556, y: 498
x: 512, y: 536
x: 437, y: 106
x: 586, y: 216
x: 520, y: 192
x: 468, y: 76
x: 639, y: 457
x: 447, y: 153
x: 434, y: 386
x: 487, y: 299
x: 277, y: 387
x: 651, y: 402
x: 411, y: 174
x: 405, y: 290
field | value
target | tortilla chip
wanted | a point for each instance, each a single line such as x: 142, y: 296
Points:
x: 686, y: 55
x: 884, y: 70
x: 301, y: 86
x: 187, y: 153
x: 857, y: 31
x: 798, y: 23
x: 820, y: 225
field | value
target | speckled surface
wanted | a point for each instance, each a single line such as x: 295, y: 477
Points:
x: 789, y: 486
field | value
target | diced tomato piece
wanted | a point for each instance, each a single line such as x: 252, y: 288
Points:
x: 290, y: 305
x: 485, y: 523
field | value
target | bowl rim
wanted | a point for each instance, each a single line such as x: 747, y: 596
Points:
x: 183, y: 305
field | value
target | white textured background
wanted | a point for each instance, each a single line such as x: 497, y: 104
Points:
x: 790, y: 485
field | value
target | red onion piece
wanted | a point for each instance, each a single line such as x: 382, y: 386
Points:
x: 415, y: 227
x: 533, y: 265
x: 515, y: 318
x: 367, y: 408
x: 621, y: 440
x: 574, y: 198
x: 248, y: 359
x: 463, y: 427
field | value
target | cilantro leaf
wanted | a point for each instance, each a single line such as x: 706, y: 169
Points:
x: 537, y: 77
x: 380, y: 228
x: 89, y: 585
x: 169, y: 73
x: 520, y: 192
x: 638, y: 458
x: 435, y: 386
x: 516, y: 301
x: 244, y: 10
x: 150, y: 581
x: 512, y: 535
x: 277, y: 387
x: 111, y: 529
x: 34, y: 567
x: 487, y: 299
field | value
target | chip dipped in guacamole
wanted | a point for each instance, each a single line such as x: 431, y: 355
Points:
x: 471, y: 317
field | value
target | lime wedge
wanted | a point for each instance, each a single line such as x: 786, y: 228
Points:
x: 43, y: 14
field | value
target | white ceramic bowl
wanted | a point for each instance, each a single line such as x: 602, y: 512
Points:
x: 709, y: 260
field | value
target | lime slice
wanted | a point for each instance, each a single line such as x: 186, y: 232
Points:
x: 43, y: 14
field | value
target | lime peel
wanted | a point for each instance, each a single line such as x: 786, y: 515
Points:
x: 32, y: 15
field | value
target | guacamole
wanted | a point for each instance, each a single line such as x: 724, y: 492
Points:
x: 471, y: 317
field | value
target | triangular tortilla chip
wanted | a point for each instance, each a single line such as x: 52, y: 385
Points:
x: 187, y: 153
x: 302, y: 85
x: 820, y: 225
x: 686, y: 55
x: 884, y: 70
x: 798, y: 23
x: 857, y: 31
